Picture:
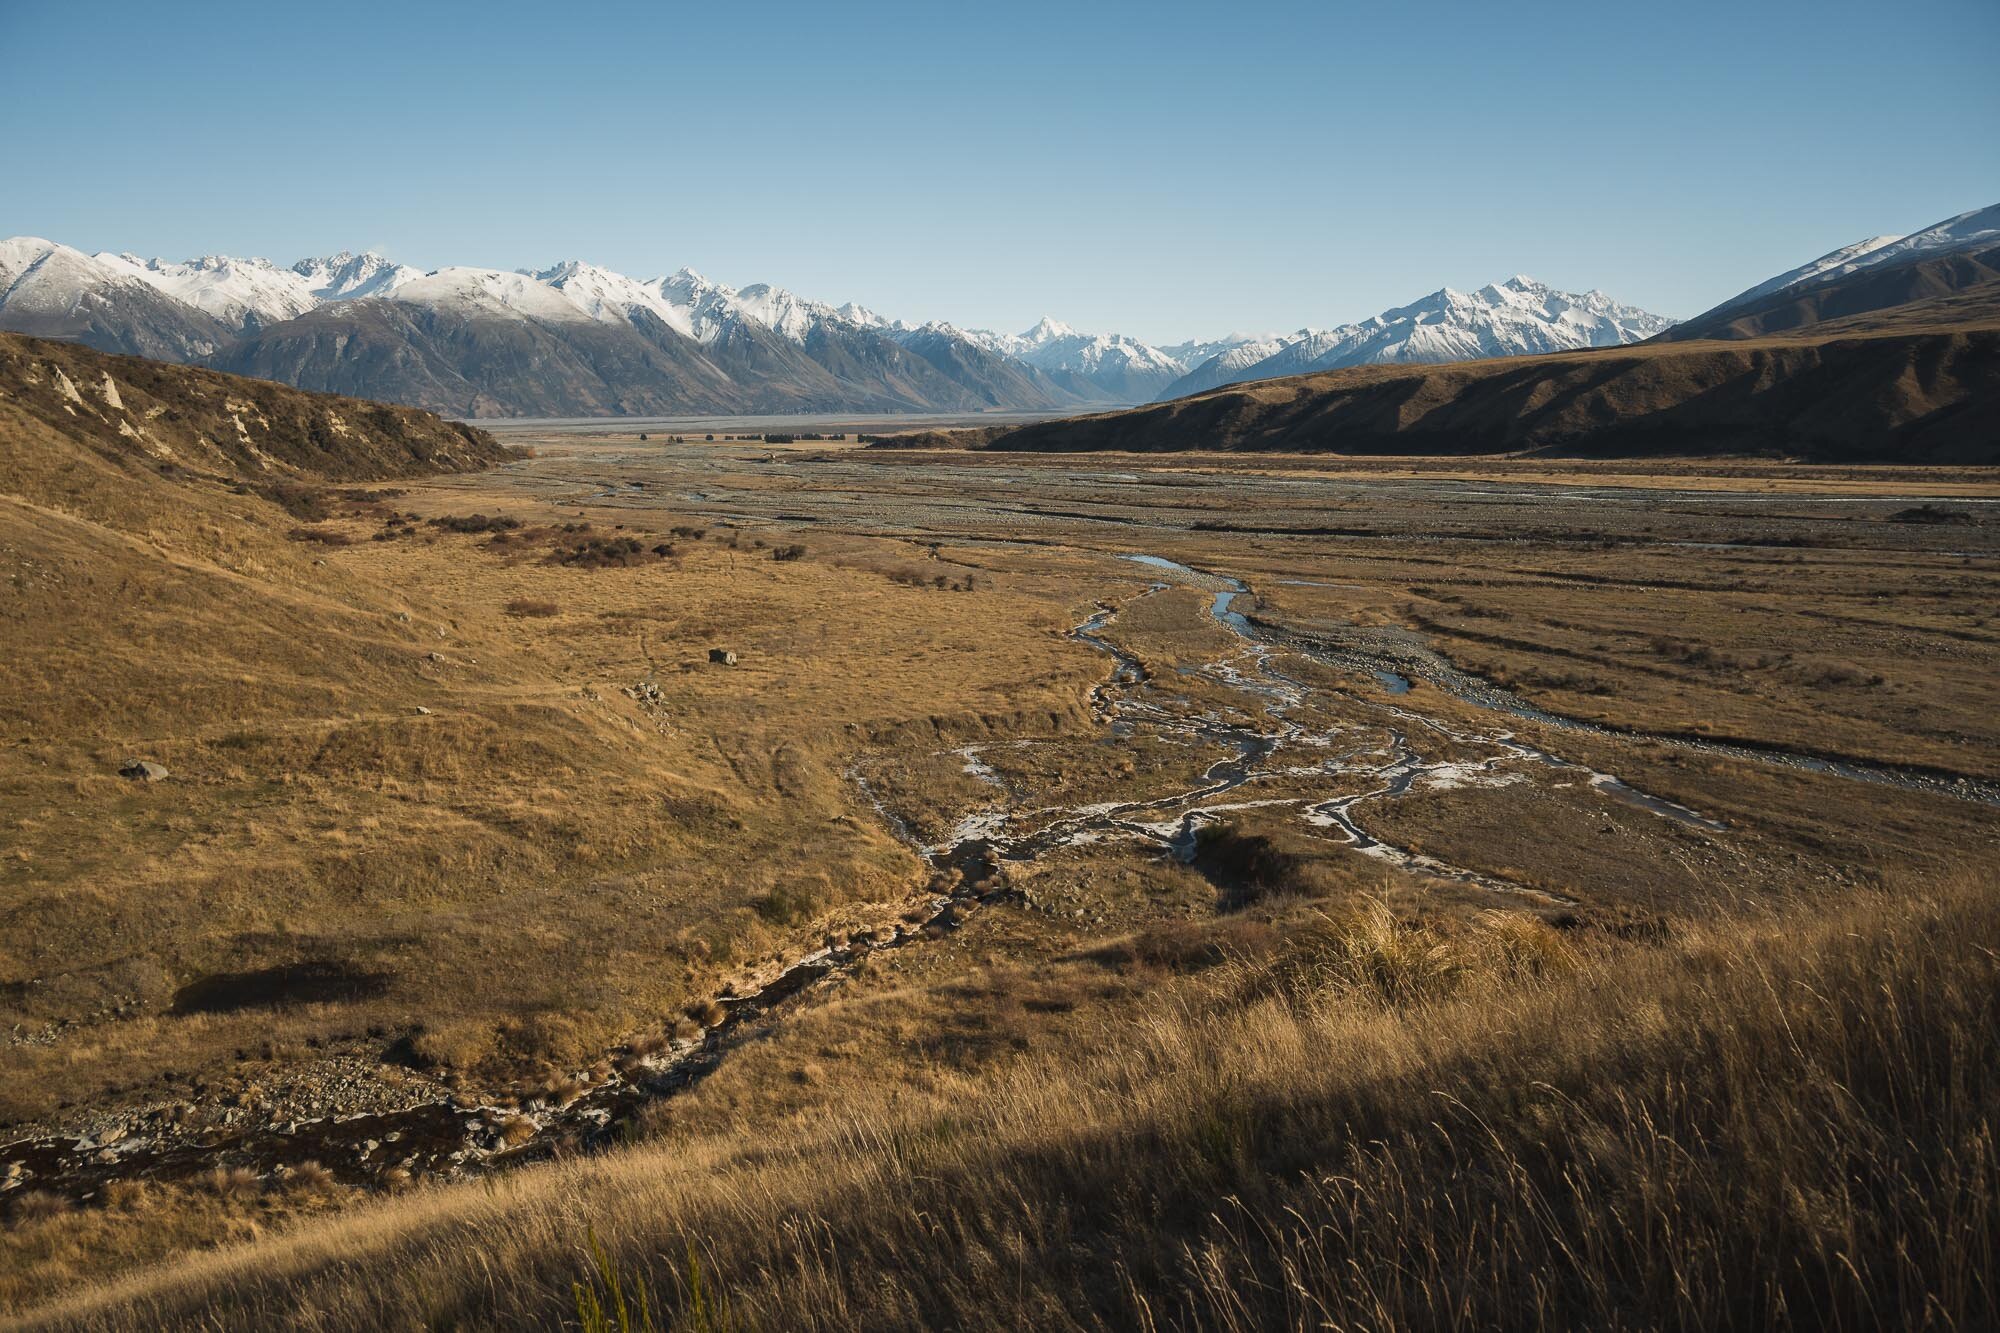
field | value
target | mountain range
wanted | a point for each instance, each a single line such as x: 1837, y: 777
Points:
x: 575, y: 339
x: 1512, y: 318
x: 1884, y: 350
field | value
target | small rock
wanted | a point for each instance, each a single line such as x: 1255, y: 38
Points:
x: 143, y: 770
x: 722, y: 656
x: 423, y: 711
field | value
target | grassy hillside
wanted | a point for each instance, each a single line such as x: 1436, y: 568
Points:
x: 454, y: 773
x: 1923, y: 397
x: 1759, y: 1122
x: 132, y: 413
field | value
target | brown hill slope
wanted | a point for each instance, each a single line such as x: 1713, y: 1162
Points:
x: 1931, y: 397
x: 128, y: 409
x: 1888, y: 293
x: 414, y: 803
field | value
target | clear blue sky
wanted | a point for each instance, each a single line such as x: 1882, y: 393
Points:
x: 1163, y: 169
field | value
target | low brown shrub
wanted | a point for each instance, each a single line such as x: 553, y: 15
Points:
x: 37, y: 1206
x: 233, y: 1182
x: 473, y: 523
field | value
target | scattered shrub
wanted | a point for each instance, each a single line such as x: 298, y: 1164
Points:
x: 528, y: 606
x: 515, y: 1130
x: 792, y: 552
x: 1250, y: 867
x: 38, y: 1206
x: 233, y: 1182
x: 606, y: 553
x: 475, y: 523
x: 124, y: 1196
x: 786, y: 905
x: 300, y: 501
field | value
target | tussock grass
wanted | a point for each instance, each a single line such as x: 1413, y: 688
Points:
x: 1781, y: 1121
x: 533, y: 606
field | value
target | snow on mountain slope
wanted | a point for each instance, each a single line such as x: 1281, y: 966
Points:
x: 1844, y: 260
x: 613, y: 297
x: 1513, y: 318
x: 348, y: 276
x: 1228, y: 365
x: 1120, y: 367
x: 1198, y: 350
x: 43, y: 277
x: 706, y: 306
x: 54, y: 291
x: 776, y: 308
x: 239, y: 292
x: 489, y: 291
x: 1977, y: 228
x: 695, y: 306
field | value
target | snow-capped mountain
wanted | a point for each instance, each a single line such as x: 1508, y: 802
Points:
x: 58, y: 292
x: 1197, y: 350
x: 696, y: 307
x: 489, y: 291
x: 613, y: 297
x: 1229, y: 365
x: 239, y: 292
x: 1974, y: 230
x: 348, y: 276
x: 577, y: 338
x: 1513, y: 318
x: 1123, y: 368
x: 1883, y: 273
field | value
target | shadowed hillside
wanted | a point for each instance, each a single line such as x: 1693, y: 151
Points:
x: 130, y: 410
x: 1929, y: 397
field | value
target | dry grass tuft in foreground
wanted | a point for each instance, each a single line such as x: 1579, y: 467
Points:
x: 1786, y: 1120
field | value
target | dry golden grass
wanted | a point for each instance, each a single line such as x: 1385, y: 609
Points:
x: 390, y: 761
x: 1777, y: 1119
x: 497, y: 815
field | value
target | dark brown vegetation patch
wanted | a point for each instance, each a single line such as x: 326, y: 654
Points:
x: 474, y: 523
x: 611, y: 553
x: 1248, y: 867
x: 315, y: 981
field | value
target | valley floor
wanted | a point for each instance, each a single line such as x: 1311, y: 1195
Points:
x: 1100, y: 892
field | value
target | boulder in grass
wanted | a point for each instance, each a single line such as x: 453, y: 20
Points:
x: 143, y: 770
